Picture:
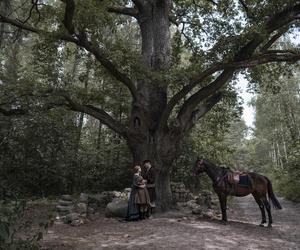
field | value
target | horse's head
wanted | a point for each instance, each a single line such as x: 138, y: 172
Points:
x: 199, y: 166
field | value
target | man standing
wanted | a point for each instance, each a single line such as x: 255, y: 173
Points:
x: 148, y: 174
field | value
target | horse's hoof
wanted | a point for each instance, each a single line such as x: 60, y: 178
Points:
x: 261, y: 225
x: 269, y: 225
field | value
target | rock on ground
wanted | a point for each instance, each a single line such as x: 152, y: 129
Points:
x: 116, y: 208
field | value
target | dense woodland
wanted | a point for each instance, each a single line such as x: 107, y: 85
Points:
x: 88, y: 88
x: 48, y: 149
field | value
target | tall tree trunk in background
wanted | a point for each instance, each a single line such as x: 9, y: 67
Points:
x: 85, y: 80
x: 99, y: 136
x: 279, y: 156
x: 290, y: 121
x: 79, y: 123
x: 4, y: 10
x: 119, y: 115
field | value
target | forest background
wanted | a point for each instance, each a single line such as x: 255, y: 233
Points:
x: 48, y: 150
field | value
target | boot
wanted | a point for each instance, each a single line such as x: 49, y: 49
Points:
x: 148, y: 214
x: 140, y: 215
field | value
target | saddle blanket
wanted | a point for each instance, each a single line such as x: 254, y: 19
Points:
x: 244, y: 181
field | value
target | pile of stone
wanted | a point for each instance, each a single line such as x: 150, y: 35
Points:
x: 77, y: 211
x: 180, y: 193
x: 118, y: 206
x: 204, y: 205
x: 70, y: 211
x: 205, y: 199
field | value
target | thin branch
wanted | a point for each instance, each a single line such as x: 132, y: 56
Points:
x: 198, y: 6
x: 18, y: 24
x: 249, y: 13
x: 133, y: 12
x: 35, y: 4
x: 211, y: 1
x: 188, y: 39
x: 102, y: 58
x: 268, y: 57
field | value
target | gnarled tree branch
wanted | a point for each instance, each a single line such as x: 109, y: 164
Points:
x: 133, y: 12
x: 13, y: 112
x: 274, y: 38
x: 229, y: 69
x: 185, y: 113
x: 203, y: 109
x: 242, y: 59
x: 97, y: 113
x: 249, y: 13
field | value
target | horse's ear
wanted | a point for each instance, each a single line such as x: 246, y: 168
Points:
x: 200, y: 158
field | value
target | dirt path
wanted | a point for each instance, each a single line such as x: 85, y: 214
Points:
x: 178, y: 230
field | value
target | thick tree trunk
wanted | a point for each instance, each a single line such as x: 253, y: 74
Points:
x: 161, y: 151
x: 145, y: 141
x: 163, y: 189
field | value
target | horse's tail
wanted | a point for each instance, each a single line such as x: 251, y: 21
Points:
x: 272, y: 195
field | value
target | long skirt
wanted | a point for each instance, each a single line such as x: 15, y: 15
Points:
x: 138, y: 202
x: 133, y: 208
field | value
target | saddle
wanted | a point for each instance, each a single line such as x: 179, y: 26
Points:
x: 238, y: 179
x: 234, y: 177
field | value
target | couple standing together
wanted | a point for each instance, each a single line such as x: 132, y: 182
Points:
x: 142, y: 197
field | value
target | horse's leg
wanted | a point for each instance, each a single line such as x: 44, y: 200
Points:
x: 223, y: 204
x: 268, y: 208
x: 261, y: 207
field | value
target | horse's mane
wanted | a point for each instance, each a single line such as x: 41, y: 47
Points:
x: 224, y: 169
x: 210, y: 163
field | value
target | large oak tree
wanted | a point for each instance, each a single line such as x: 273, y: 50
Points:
x: 223, y: 37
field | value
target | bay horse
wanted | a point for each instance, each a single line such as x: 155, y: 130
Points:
x: 257, y: 185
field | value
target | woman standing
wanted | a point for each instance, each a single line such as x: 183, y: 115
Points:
x: 139, y: 200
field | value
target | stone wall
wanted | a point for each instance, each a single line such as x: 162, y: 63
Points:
x: 77, y: 211
x: 180, y: 193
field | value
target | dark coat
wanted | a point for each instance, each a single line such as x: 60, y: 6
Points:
x: 149, y: 176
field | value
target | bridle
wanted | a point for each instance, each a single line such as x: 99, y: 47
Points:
x: 200, y: 166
